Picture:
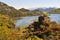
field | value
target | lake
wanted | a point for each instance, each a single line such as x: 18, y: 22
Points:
x: 28, y: 19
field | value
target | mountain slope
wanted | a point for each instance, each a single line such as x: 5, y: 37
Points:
x: 55, y: 11
x: 12, y: 12
x: 45, y: 9
x: 7, y: 10
x: 26, y: 12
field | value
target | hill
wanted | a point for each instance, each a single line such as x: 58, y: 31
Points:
x: 26, y: 12
x: 7, y: 10
x: 12, y: 12
x: 56, y: 11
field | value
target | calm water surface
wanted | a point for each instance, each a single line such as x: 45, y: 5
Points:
x: 27, y: 20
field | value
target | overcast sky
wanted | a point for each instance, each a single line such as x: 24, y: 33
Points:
x: 32, y: 3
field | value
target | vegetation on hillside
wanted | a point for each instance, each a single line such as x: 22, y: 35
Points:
x: 8, y: 30
x: 56, y: 11
x: 12, y: 12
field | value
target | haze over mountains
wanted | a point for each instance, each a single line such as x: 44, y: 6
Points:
x: 13, y: 12
x: 44, y: 9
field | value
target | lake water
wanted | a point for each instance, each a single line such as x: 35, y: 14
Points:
x: 28, y: 20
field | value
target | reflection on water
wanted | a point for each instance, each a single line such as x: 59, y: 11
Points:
x: 27, y: 20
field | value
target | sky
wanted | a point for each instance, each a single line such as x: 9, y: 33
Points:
x: 32, y: 3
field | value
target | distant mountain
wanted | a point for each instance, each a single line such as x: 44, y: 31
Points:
x: 44, y: 9
x: 26, y: 12
x: 4, y: 6
x: 12, y: 12
x: 56, y: 11
x: 7, y: 10
x: 23, y: 9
